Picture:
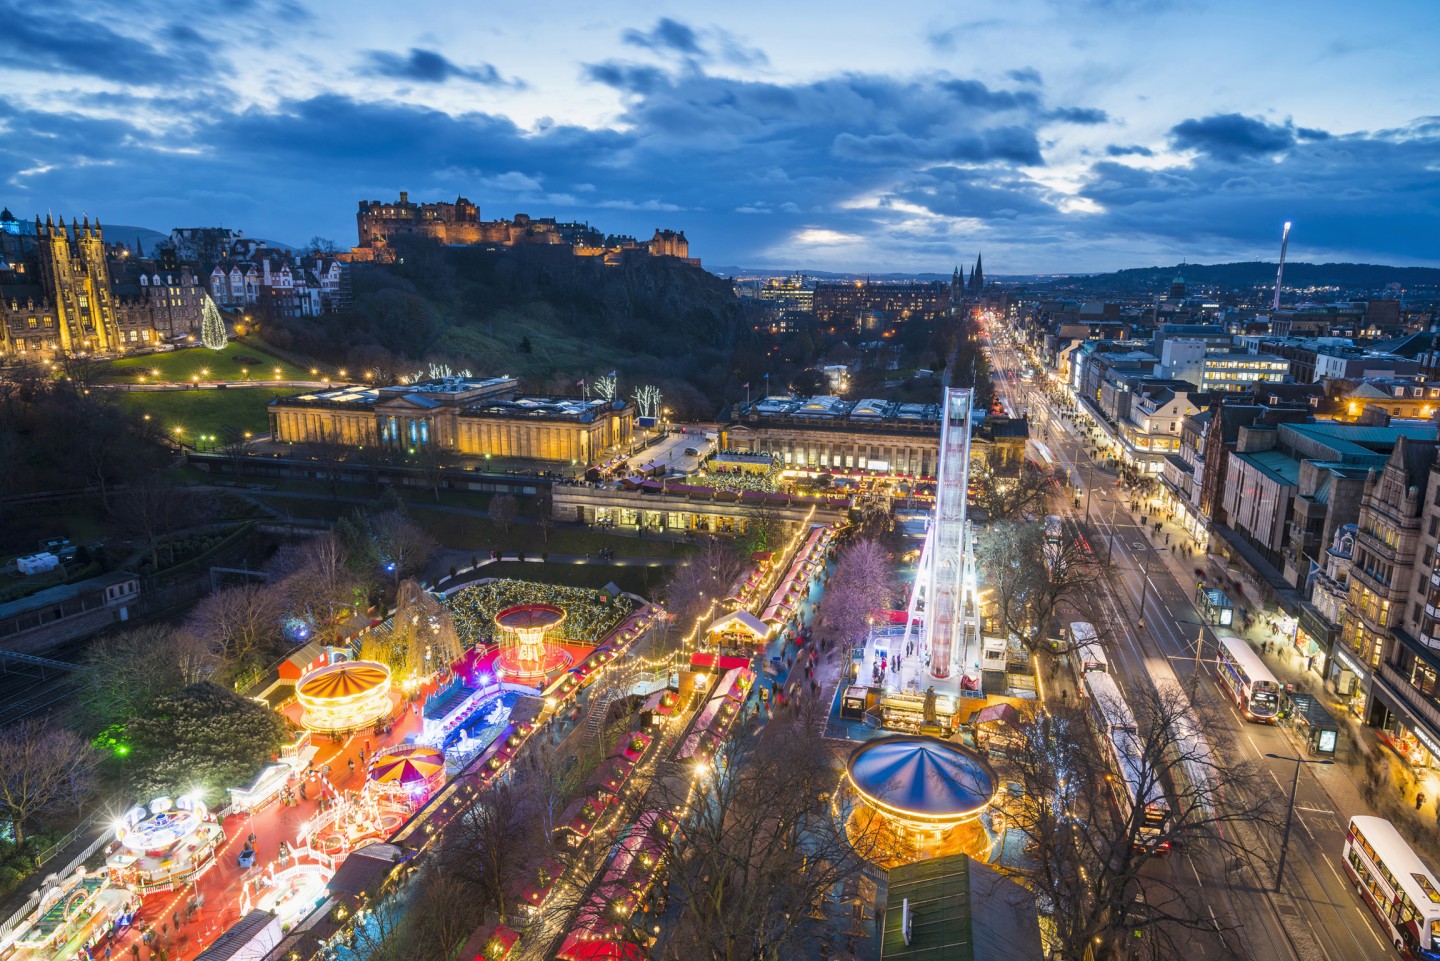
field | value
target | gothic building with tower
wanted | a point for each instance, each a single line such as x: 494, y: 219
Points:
x: 63, y: 291
x: 973, y: 288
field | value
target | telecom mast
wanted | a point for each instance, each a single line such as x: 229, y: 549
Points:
x: 1280, y: 274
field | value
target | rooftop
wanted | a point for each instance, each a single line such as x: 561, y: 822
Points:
x: 830, y: 407
x: 961, y: 910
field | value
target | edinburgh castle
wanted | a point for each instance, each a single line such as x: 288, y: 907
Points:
x: 380, y: 223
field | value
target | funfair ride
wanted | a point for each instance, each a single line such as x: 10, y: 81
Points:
x: 943, y: 601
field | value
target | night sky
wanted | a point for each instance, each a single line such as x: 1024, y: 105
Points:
x: 1054, y: 135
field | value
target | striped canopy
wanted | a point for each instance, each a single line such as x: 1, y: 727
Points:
x: 412, y: 765
x: 346, y: 679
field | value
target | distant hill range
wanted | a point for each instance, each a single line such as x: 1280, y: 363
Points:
x: 1258, y: 274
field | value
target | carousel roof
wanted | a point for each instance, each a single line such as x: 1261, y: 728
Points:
x: 412, y: 765
x: 924, y: 776
x: 741, y: 621
x: 345, y: 679
x: 530, y: 616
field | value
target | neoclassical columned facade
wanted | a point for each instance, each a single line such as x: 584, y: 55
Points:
x: 462, y: 415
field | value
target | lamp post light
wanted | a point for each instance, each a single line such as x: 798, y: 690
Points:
x: 1290, y: 809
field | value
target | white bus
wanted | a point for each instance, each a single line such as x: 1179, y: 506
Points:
x: 1085, y: 642
x: 1135, y: 782
x: 1400, y: 890
x: 1248, y: 680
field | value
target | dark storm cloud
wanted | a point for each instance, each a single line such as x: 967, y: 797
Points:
x: 1367, y: 193
x: 666, y: 35
x: 428, y: 66
x: 65, y: 40
x: 1231, y: 136
x: 1088, y: 116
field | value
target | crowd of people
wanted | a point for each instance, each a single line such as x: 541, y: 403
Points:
x: 589, y: 614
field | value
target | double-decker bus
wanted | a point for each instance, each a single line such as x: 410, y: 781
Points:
x: 1088, y: 649
x: 1054, y: 529
x: 1400, y: 890
x: 1134, y: 783
x: 1249, y: 681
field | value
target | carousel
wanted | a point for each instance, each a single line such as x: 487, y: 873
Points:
x: 293, y: 892
x: 345, y: 696
x: 73, y: 914
x: 410, y: 770
x: 918, y: 797
x: 164, y: 845
x: 525, y: 654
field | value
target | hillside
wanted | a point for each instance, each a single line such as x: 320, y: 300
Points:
x: 1240, y: 276
x: 537, y: 313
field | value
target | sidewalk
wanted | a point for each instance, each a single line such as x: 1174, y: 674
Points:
x: 1344, y: 781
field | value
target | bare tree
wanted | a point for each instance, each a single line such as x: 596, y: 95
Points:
x: 765, y: 843
x: 153, y: 508
x: 129, y: 670
x: 240, y: 625
x: 46, y: 768
x: 1091, y: 844
x: 316, y: 584
x: 707, y: 576
x: 864, y: 580
x: 392, y: 538
x: 1030, y: 575
x: 1011, y: 493
x: 605, y: 387
x: 503, y: 511
x: 489, y: 845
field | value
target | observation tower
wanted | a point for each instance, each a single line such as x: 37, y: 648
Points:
x: 943, y: 600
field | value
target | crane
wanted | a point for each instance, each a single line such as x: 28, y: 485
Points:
x: 1280, y: 274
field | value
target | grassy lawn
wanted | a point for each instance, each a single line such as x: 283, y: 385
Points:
x: 236, y: 362
x: 198, y: 412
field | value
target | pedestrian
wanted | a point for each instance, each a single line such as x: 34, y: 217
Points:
x: 351, y: 762
x: 135, y: 950
x: 1419, y: 800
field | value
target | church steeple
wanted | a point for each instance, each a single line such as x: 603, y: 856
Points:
x: 977, y: 276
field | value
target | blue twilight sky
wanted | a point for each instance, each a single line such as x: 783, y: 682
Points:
x: 1053, y: 134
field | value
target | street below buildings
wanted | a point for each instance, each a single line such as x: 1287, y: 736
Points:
x: 1149, y: 595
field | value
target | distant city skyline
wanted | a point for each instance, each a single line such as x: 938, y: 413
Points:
x: 1054, y: 135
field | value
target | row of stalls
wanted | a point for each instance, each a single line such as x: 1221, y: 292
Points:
x: 712, y: 724
x: 604, y: 926
x: 583, y: 816
x: 795, y: 585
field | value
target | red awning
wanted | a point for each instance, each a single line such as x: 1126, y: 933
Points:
x: 880, y: 616
x: 997, y: 713
x: 726, y: 662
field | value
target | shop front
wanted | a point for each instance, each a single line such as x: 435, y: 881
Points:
x: 1313, y: 638
x: 1349, y: 679
x: 1397, y: 727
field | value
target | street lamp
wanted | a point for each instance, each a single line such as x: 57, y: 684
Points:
x: 1290, y: 810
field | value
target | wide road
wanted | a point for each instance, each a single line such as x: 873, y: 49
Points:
x: 1316, y: 916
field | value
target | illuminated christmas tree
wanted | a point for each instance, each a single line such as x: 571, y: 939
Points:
x: 212, y: 326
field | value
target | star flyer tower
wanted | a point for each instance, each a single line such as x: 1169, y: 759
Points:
x: 943, y: 599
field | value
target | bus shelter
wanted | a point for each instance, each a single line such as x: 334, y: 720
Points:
x: 1214, y: 605
x: 1314, y: 725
